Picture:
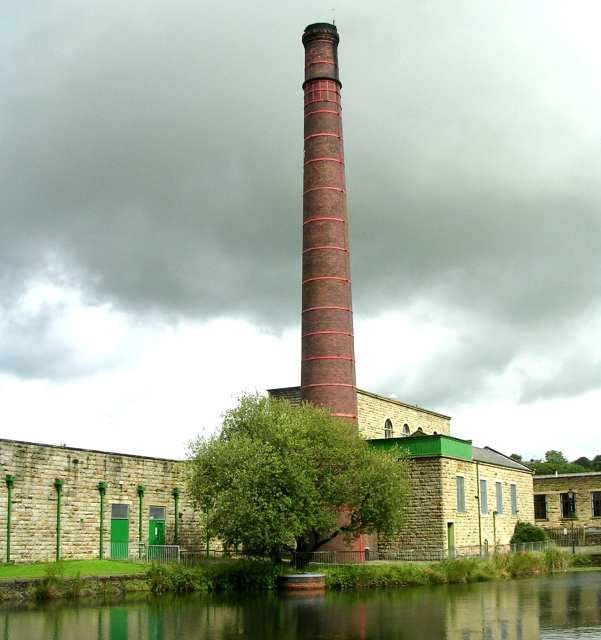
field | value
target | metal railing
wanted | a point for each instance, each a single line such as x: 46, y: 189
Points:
x: 191, y: 558
x: 575, y: 535
x: 302, y: 559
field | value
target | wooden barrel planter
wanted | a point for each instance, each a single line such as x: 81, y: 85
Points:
x: 302, y: 582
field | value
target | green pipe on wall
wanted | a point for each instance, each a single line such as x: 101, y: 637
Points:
x: 10, y: 481
x: 175, y: 494
x: 58, y: 485
x: 102, y: 492
x: 140, y: 498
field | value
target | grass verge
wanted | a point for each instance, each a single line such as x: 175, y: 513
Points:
x: 70, y: 568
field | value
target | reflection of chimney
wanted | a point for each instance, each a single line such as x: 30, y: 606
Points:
x: 328, y: 359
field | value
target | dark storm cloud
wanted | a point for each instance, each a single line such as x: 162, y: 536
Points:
x: 156, y: 148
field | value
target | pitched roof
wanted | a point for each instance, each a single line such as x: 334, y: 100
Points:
x: 492, y: 456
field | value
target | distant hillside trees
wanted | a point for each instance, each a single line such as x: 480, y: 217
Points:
x: 556, y: 462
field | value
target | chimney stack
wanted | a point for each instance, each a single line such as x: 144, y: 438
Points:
x: 328, y: 357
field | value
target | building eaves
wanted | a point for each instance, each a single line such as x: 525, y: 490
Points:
x: 489, y: 455
x: 582, y: 474
x: 283, y: 391
x: 104, y: 453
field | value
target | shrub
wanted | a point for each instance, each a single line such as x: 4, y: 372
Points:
x: 527, y: 532
x: 49, y: 586
x: 242, y: 575
x: 526, y: 564
x: 582, y: 560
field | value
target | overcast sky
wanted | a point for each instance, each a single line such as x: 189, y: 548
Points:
x: 150, y: 232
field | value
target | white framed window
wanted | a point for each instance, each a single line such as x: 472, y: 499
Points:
x: 406, y: 430
x: 388, y: 428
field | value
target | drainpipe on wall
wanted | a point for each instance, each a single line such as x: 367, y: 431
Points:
x: 101, y: 491
x: 175, y: 494
x: 10, y: 481
x: 58, y: 485
x: 140, y: 491
x: 479, y: 510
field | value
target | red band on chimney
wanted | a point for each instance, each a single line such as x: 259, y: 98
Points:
x: 327, y: 384
x: 326, y: 278
x: 320, y: 218
x: 309, y: 64
x: 322, y: 133
x: 325, y: 331
x: 324, y: 159
x: 326, y: 307
x: 325, y: 188
x: 325, y: 247
x: 349, y: 358
x: 312, y: 113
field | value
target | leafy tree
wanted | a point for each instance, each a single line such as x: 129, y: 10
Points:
x: 282, y: 477
x: 596, y: 463
x: 516, y: 456
x: 584, y: 462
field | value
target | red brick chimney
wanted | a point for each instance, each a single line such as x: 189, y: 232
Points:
x: 328, y: 358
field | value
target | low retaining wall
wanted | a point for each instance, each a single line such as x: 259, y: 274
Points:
x: 40, y: 589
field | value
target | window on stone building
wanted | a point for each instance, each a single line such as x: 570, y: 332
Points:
x: 483, y: 496
x: 119, y: 511
x: 540, y: 506
x: 513, y: 492
x: 499, y: 497
x: 406, y: 430
x: 596, y: 499
x: 568, y: 505
x: 388, y: 428
x: 460, y: 494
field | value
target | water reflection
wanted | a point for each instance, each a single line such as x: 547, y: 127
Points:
x: 550, y: 608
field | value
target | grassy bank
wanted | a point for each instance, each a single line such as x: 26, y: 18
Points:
x: 256, y: 575
x: 458, y: 571
x: 102, y: 578
x: 70, y: 568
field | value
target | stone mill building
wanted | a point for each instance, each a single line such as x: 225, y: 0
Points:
x: 77, y: 503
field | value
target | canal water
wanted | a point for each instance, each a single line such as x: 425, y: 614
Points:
x: 561, y: 606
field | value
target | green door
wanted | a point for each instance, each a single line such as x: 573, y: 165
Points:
x: 156, y: 533
x: 119, y: 531
x: 451, y: 539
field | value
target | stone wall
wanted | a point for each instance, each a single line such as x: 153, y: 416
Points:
x: 423, y: 527
x: 466, y: 527
x: 582, y: 484
x: 374, y: 410
x: 34, y: 499
x: 433, y: 505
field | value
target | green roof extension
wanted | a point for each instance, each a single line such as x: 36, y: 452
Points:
x: 427, y: 446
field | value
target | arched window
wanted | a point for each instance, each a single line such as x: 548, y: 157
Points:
x: 406, y: 430
x: 388, y: 428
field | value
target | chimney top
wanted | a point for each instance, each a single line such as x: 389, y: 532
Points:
x: 318, y: 29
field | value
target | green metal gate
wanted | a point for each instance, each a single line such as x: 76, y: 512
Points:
x: 119, y: 531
